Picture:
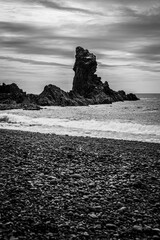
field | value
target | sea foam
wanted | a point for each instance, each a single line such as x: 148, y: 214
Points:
x: 81, y: 127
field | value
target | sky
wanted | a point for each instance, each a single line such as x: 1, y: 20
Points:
x: 38, y: 40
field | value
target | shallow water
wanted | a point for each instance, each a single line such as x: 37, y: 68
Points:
x: 139, y: 120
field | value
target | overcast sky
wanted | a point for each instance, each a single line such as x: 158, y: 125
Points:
x: 38, y: 40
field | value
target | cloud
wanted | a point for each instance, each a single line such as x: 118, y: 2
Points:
x: 126, y: 31
x: 102, y: 65
x: 61, y: 6
x: 56, y: 5
x: 142, y: 3
x: 149, y: 49
x: 30, y: 39
x: 34, y: 62
x: 16, y: 27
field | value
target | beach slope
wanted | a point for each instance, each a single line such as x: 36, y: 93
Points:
x: 62, y: 187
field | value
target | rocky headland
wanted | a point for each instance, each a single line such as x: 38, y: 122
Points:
x: 87, y: 89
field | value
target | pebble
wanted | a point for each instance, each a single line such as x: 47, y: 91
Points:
x: 111, y: 226
x: 13, y: 238
x: 97, y: 208
x: 156, y: 230
x: 86, y: 234
x: 120, y: 205
x: 156, y: 237
x: 76, y: 175
x: 92, y: 184
x: 85, y: 197
x: 54, y: 180
x: 93, y: 215
x: 98, y: 226
x: 147, y: 229
x: 122, y: 209
x: 137, y: 228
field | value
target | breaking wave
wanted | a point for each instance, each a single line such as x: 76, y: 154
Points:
x: 93, y: 128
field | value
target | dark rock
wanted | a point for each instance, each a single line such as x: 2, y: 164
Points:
x: 111, y: 226
x: 31, y: 98
x: 93, y: 215
x: 11, y: 93
x: 156, y: 231
x: 137, y: 228
x: 54, y: 96
x: 76, y: 175
x: 12, y: 97
x: 122, y: 209
x: 85, y: 81
x: 129, y: 97
x: 31, y: 106
x: 87, y: 84
x: 80, y: 100
x: 156, y: 237
x: 87, y: 89
x: 10, y: 106
x: 132, y: 97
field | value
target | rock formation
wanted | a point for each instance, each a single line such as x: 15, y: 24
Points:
x: 12, y: 97
x: 89, y: 85
x: 53, y: 96
x: 11, y: 94
x: 85, y: 81
x: 87, y: 89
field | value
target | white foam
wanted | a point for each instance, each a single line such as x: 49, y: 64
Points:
x: 8, y: 120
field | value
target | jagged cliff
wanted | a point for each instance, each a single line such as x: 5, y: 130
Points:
x: 87, y: 89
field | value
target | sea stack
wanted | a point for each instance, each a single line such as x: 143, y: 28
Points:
x: 87, y: 89
x: 85, y: 81
x: 89, y: 85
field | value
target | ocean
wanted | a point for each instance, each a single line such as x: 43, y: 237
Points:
x: 128, y: 120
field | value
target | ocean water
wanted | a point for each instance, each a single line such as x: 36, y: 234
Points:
x: 129, y: 120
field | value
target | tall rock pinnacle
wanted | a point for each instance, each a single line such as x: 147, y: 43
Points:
x: 85, y: 81
x: 87, y: 84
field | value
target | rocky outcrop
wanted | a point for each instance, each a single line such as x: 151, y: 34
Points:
x: 12, y: 97
x: 87, y: 89
x: 9, y: 106
x: 87, y: 84
x: 54, y: 96
x: 31, y: 106
x: 11, y: 94
x: 85, y: 81
x: 128, y: 97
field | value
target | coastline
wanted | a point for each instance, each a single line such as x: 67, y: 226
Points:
x: 67, y: 187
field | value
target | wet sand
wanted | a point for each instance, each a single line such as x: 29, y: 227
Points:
x: 63, y: 187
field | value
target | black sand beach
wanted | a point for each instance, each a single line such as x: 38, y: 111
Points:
x: 62, y: 187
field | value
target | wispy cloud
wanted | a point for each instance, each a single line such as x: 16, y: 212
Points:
x: 61, y: 6
x: 56, y: 5
x: 122, y: 33
x: 30, y: 39
x: 34, y: 62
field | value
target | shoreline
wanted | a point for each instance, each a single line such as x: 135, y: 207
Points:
x: 154, y: 141
x: 67, y: 187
